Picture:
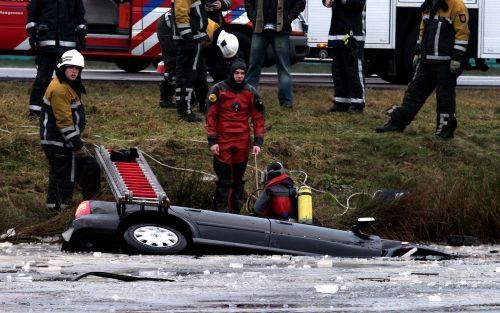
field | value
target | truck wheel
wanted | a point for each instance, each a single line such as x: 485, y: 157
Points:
x: 133, y: 66
x: 149, y: 238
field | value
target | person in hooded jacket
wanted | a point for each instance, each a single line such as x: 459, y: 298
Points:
x: 439, y: 60
x: 62, y: 121
x: 347, y: 39
x: 53, y: 28
x: 278, y: 198
x: 229, y: 106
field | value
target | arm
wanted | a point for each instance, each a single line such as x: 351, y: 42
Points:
x: 61, y: 106
x: 81, y: 25
x: 257, y: 114
x: 250, y: 8
x: 296, y: 8
x: 32, y: 23
x: 212, y: 112
x: 460, y: 18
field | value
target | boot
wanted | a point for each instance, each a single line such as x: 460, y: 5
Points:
x: 167, y: 91
x: 238, y: 190
x: 184, y: 111
x: 446, y: 125
x: 390, y: 126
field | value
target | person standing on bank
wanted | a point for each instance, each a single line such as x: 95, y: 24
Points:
x: 62, y: 121
x: 347, y: 39
x: 272, y: 26
x: 53, y: 27
x: 214, y: 9
x: 439, y: 59
x: 189, y: 22
x: 230, y: 105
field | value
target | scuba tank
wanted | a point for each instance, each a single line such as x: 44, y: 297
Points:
x: 304, y: 205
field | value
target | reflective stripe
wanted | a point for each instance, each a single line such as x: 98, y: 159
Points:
x: 196, y: 4
x: 67, y: 43
x: 51, y: 142
x: 354, y: 100
x: 81, y: 26
x: 45, y: 121
x: 67, y: 129
x: 443, y: 121
x: 342, y: 37
x: 198, y: 11
x: 30, y: 24
x: 459, y: 48
x: 46, y: 101
x: 436, y: 39
x: 196, y: 57
x: 53, y: 206
x: 71, y: 135
x: 73, y: 167
x: 47, y: 43
x: 342, y: 100
x: 183, y: 25
x: 183, y: 32
x: 438, y: 57
x: 461, y: 42
x: 361, y: 82
x: 35, y: 107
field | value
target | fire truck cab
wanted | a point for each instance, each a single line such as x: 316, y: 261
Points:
x: 124, y: 31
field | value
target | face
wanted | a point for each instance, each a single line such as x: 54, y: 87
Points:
x: 239, y: 76
x: 72, y: 72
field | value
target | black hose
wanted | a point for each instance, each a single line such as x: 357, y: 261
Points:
x: 121, y: 277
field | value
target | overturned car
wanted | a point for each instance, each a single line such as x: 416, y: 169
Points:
x: 143, y: 221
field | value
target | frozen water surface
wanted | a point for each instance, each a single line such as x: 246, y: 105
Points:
x: 40, y: 278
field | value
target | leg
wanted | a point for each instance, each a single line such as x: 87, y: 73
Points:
x: 223, y: 185
x: 46, y: 63
x: 342, y: 99
x: 257, y: 56
x: 88, y: 176
x: 200, y: 85
x: 446, y: 101
x: 61, y: 178
x: 187, y: 60
x: 357, y: 77
x: 281, y: 48
x: 238, y: 168
x: 168, y: 51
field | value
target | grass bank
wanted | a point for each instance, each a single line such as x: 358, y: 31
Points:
x: 452, y: 187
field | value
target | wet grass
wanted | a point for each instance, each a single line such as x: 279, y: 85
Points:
x: 452, y: 186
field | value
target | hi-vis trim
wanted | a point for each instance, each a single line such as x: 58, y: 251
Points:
x: 147, y: 44
x: 148, y: 19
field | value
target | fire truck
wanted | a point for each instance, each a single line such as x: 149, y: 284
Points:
x: 124, y: 31
x: 392, y: 30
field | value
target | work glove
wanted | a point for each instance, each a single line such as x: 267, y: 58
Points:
x: 81, y: 34
x: 455, y: 67
x: 33, y: 38
x: 82, y: 153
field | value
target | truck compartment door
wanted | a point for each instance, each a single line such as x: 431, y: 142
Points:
x: 489, y: 26
x: 381, y: 24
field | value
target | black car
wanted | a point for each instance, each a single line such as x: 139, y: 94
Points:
x: 102, y: 226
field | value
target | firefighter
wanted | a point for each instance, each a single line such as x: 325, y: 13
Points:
x: 62, y: 122
x: 347, y: 39
x: 53, y: 27
x: 277, y: 199
x: 214, y: 9
x: 189, y: 22
x: 439, y: 60
x: 230, y: 105
x: 217, y: 49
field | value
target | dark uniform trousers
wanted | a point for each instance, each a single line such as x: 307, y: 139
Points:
x: 168, y: 52
x: 46, y: 63
x: 348, y: 77
x: 430, y: 76
x: 191, y: 71
x: 64, y: 171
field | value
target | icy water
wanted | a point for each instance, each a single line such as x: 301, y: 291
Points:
x: 40, y: 278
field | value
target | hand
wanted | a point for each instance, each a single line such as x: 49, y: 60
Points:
x: 215, y: 149
x: 81, y: 35
x: 329, y: 3
x: 216, y: 5
x: 416, y: 60
x: 82, y: 153
x: 255, y: 150
x: 33, y: 43
x: 455, y: 67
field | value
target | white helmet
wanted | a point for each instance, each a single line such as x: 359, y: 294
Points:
x: 228, y: 44
x: 72, y: 57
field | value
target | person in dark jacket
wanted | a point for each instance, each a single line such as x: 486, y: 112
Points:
x: 272, y: 26
x: 439, y: 59
x: 347, y: 39
x: 62, y: 122
x: 189, y: 22
x: 230, y: 105
x: 53, y: 27
x: 277, y: 199
x: 214, y: 9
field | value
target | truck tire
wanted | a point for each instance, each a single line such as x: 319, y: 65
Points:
x: 133, y: 66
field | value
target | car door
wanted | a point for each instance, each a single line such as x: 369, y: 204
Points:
x: 310, y: 239
x: 229, y: 229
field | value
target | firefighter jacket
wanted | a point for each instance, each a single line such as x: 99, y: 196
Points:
x: 188, y: 20
x: 56, y: 23
x: 286, y: 12
x: 62, y: 119
x: 348, y: 19
x: 228, y: 112
x: 444, y: 32
x: 276, y: 201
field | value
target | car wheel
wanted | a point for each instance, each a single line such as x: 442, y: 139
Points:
x: 153, y: 239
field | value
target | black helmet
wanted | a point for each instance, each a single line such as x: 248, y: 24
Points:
x: 273, y: 170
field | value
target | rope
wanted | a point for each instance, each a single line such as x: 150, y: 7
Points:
x: 179, y: 168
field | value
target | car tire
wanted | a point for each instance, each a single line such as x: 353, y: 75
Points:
x: 149, y: 238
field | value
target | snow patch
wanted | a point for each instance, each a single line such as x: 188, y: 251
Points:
x: 327, y: 288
